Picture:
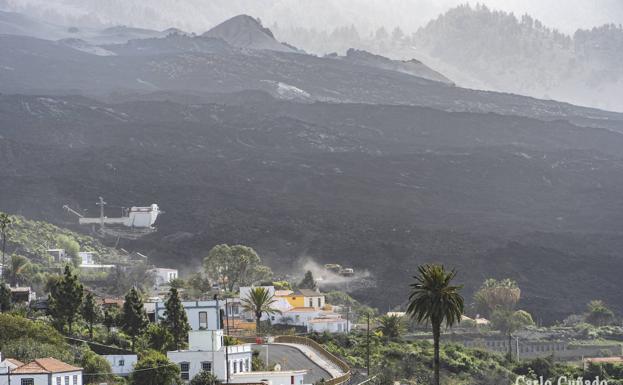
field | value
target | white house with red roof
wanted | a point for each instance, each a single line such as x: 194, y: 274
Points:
x: 42, y: 371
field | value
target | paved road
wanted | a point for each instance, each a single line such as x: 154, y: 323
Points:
x: 292, y: 359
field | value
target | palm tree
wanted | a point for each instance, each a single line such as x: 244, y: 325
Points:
x: 18, y: 268
x: 391, y: 326
x: 433, y: 299
x: 259, y: 301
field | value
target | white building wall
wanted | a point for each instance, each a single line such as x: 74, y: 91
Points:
x: 195, y: 359
x: 299, y: 318
x: 67, y: 378
x: 340, y: 326
x: 206, y: 340
x: 272, y: 378
x: 244, y: 290
x: 39, y: 379
x: 317, y: 302
x: 202, y: 315
x: 121, y: 364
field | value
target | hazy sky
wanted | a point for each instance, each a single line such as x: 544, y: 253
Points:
x: 200, y: 15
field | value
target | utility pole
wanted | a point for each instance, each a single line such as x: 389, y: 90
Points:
x: 226, y: 346
x: 368, y: 346
x: 101, y: 204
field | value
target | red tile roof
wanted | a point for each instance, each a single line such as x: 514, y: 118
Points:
x: 45, y: 365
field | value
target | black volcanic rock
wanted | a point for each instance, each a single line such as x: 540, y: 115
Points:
x: 246, y: 32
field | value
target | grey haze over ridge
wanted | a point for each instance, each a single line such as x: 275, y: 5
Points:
x: 367, y: 15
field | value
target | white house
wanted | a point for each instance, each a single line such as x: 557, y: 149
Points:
x: 206, y: 352
x: 87, y: 257
x: 202, y: 315
x: 122, y: 365
x: 163, y: 276
x: 58, y: 255
x: 328, y: 324
x: 282, y: 377
x: 7, y: 365
x: 312, y: 298
x: 43, y: 371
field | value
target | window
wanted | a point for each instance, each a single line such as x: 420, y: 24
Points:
x: 311, y: 302
x: 319, y: 302
x: 28, y: 381
x: 206, y: 366
x: 66, y: 380
x: 58, y: 380
x: 75, y: 379
x: 122, y: 362
x: 203, y: 320
x: 235, y: 366
x: 184, y: 368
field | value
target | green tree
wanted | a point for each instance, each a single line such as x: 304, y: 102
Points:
x: 5, y: 298
x: 71, y: 247
x: 204, y: 378
x: 308, y: 281
x: 159, y: 338
x: 91, y: 312
x: 111, y: 317
x: 236, y: 265
x: 13, y: 327
x: 5, y: 222
x: 29, y: 349
x: 65, y: 299
x: 434, y: 299
x: 199, y: 284
x: 96, y: 369
x: 282, y: 285
x: 154, y: 368
x: 259, y: 301
x: 509, y: 321
x: 175, y: 319
x: 598, y: 313
x: 18, y: 269
x: 392, y: 326
x: 494, y: 294
x: 133, y: 318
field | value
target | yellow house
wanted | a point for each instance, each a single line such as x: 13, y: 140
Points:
x: 302, y: 298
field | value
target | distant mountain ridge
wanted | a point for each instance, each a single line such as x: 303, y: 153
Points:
x: 244, y: 31
x: 494, y: 50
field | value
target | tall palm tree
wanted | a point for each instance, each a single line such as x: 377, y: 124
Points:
x: 434, y: 299
x: 259, y: 301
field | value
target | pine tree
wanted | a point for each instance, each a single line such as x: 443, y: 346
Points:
x: 176, y: 319
x: 134, y: 318
x: 65, y: 299
x: 91, y: 312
